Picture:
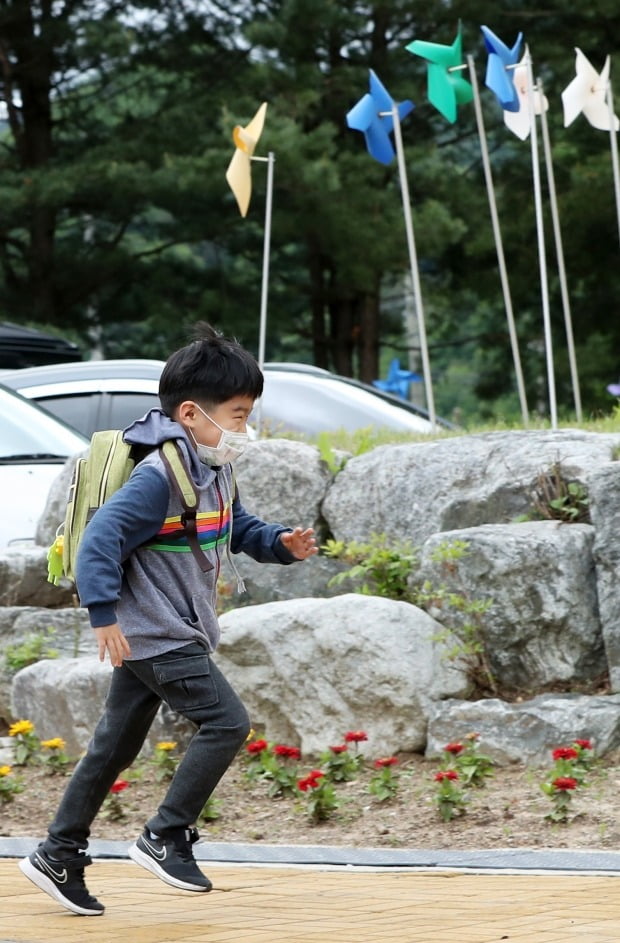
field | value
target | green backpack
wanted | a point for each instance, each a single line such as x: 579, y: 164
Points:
x: 103, y: 470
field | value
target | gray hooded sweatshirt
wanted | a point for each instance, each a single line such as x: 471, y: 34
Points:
x: 135, y: 566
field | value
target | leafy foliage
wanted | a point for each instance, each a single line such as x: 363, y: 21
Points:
x: 119, y: 229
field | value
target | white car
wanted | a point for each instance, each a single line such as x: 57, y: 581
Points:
x: 109, y: 394
x: 33, y: 448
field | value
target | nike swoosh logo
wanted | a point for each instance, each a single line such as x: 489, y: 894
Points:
x: 160, y: 854
x: 59, y: 876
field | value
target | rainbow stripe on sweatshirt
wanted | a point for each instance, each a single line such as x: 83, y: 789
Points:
x: 212, y: 527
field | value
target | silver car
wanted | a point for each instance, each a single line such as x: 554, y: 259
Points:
x: 299, y: 399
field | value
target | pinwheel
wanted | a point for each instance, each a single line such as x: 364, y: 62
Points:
x: 373, y: 116
x: 446, y: 87
x: 499, y: 78
x: 591, y: 94
x: 520, y: 122
x: 377, y: 115
x: 587, y: 93
x: 397, y: 380
x: 239, y: 178
x: 239, y: 174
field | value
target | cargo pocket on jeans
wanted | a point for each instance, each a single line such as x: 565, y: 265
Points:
x: 187, y: 682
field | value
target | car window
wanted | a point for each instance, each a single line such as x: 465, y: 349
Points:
x: 90, y: 411
x: 309, y: 403
x: 124, y: 408
x: 77, y: 410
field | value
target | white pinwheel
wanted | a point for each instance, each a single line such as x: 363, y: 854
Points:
x: 587, y: 93
x: 519, y: 122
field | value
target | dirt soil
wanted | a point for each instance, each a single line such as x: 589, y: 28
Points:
x: 507, y: 812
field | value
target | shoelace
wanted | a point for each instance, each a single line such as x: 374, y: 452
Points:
x: 184, y: 849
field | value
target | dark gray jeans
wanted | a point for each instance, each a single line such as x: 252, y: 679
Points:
x: 191, y: 684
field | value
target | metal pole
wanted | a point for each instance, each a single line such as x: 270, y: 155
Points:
x: 262, y: 330
x: 544, y: 287
x: 514, y: 343
x: 613, y: 134
x: 415, y: 274
x: 560, y: 257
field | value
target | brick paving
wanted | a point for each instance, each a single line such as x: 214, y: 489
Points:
x: 312, y: 904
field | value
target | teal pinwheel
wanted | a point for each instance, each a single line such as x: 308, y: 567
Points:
x: 373, y: 116
x: 499, y: 74
x: 446, y: 86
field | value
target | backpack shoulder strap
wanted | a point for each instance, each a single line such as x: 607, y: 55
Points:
x: 187, y: 493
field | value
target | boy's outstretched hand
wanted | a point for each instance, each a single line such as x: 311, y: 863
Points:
x: 301, y: 543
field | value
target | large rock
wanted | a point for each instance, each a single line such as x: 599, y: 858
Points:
x: 272, y: 582
x: 311, y: 669
x: 604, y: 493
x: 527, y: 732
x: 414, y: 490
x: 542, y: 627
x: 283, y: 481
x: 23, y: 580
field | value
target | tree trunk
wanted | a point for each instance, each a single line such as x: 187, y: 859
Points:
x: 27, y: 80
x: 368, y: 339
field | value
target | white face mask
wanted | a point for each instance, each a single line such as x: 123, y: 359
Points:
x: 229, y: 447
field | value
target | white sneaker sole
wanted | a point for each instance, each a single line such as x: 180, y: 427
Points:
x: 46, y: 884
x: 145, y: 861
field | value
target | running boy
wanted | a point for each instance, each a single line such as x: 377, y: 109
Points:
x: 153, y: 611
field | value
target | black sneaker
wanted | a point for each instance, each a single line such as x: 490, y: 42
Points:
x: 170, y: 858
x: 62, y: 880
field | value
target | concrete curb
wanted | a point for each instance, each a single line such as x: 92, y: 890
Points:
x: 512, y: 859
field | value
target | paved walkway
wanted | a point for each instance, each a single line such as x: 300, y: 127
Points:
x: 256, y: 902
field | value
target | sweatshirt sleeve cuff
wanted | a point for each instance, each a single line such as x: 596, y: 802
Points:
x: 101, y: 614
x: 280, y: 551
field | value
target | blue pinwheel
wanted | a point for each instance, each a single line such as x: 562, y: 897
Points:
x: 373, y: 116
x: 499, y: 78
x: 446, y: 87
x: 397, y: 380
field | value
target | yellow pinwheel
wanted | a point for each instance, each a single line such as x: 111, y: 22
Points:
x: 239, y: 174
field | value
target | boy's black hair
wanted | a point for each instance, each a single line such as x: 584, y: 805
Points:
x: 210, y: 370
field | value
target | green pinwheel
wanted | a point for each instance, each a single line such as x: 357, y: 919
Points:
x: 446, y: 86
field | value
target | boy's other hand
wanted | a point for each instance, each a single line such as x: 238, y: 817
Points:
x: 301, y: 543
x: 111, y: 639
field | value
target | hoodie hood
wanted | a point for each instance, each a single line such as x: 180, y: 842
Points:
x: 156, y: 427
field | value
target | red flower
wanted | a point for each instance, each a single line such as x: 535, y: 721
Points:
x: 454, y: 748
x: 257, y: 746
x: 311, y: 781
x: 584, y: 744
x: 446, y: 774
x: 293, y: 753
x: 341, y: 748
x: 565, y: 753
x: 119, y: 785
x: 563, y: 783
x: 385, y: 761
x: 355, y: 736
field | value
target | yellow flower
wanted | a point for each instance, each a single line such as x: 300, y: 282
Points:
x: 20, y: 726
x: 5, y: 770
x: 165, y: 745
x: 57, y: 743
